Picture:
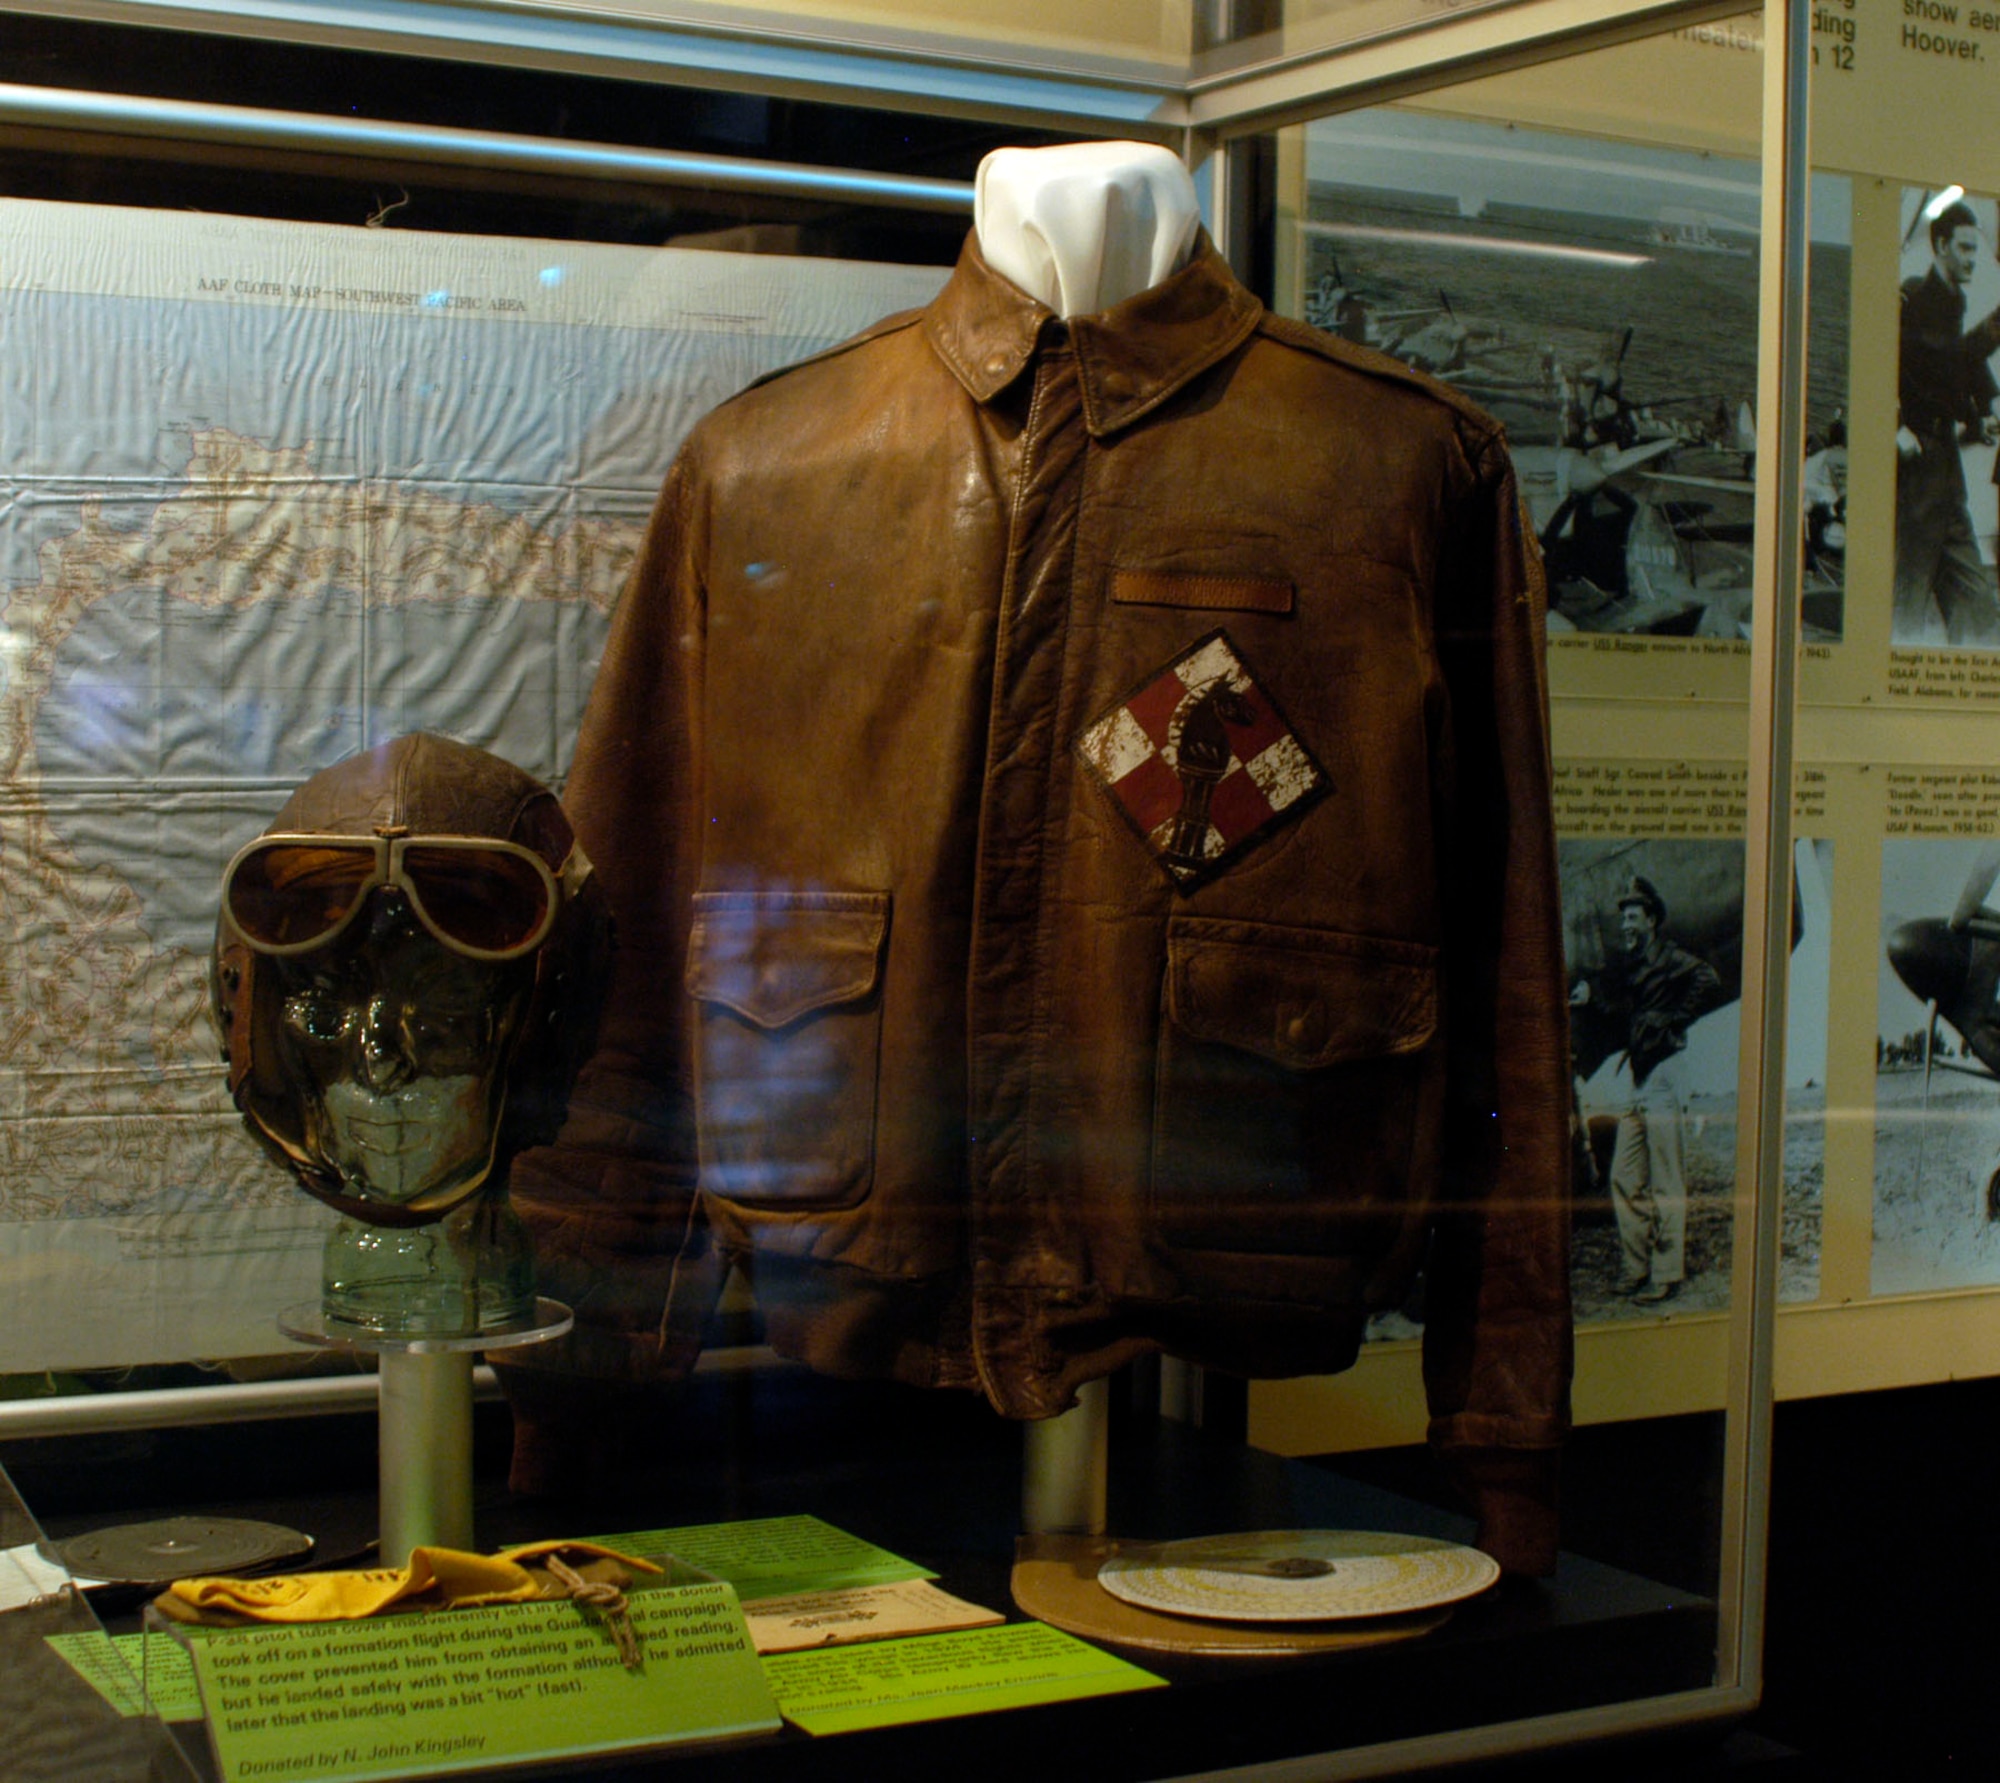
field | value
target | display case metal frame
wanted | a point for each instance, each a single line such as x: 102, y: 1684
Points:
x: 1207, y: 110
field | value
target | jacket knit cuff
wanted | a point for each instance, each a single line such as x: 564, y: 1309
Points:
x: 1514, y: 1498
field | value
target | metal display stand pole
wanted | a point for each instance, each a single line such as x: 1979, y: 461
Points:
x: 1063, y: 1544
x: 425, y: 1443
x: 425, y: 1430
x: 1065, y: 1467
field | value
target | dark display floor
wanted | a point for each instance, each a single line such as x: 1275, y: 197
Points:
x: 1885, y: 1560
x: 1881, y: 1654
x: 938, y: 1480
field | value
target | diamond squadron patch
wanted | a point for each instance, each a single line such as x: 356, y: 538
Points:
x: 1200, y: 761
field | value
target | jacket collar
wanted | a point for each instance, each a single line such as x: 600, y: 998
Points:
x: 1130, y: 358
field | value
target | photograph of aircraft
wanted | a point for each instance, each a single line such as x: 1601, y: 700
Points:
x: 1937, y: 1067
x: 1697, y: 885
x: 1600, y: 299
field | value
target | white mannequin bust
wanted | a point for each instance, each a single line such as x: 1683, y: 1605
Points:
x: 1085, y: 225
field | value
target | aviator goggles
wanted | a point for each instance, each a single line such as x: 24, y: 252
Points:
x: 483, y: 898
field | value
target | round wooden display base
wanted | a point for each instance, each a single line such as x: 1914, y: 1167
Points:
x: 1055, y: 1581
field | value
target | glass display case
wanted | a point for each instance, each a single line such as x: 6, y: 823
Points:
x: 77, y: 1700
x: 352, y: 351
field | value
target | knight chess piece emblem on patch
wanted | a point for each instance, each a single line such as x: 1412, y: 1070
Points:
x: 1201, y: 762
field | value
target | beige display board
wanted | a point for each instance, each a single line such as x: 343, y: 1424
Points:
x: 1891, y: 1216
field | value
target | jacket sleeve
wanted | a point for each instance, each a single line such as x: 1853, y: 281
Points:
x: 1497, y: 1339
x: 611, y: 1205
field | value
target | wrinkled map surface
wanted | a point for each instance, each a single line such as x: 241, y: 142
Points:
x: 271, y: 493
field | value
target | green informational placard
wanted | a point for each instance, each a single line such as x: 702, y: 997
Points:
x: 843, y: 1689
x: 342, y: 1702
x: 774, y: 1556
x: 112, y: 1666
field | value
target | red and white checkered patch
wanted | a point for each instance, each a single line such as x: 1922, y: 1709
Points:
x: 1200, y: 761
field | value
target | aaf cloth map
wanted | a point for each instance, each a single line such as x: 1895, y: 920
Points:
x: 271, y: 493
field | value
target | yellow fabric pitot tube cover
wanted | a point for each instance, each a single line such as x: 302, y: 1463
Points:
x: 443, y: 1577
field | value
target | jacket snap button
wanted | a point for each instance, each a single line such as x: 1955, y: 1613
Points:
x: 1307, y: 1029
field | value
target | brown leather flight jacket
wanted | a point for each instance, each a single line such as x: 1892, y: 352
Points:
x: 1075, y: 801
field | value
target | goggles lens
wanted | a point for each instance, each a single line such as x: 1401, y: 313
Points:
x: 483, y: 898
x: 290, y: 894
x: 490, y: 900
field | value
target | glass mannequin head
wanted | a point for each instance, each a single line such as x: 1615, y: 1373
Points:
x: 399, y: 1048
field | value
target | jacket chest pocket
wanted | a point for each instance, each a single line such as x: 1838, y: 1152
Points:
x: 789, y: 1013
x: 1295, y: 1081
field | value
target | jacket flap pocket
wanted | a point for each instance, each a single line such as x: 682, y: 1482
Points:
x: 773, y: 957
x: 1302, y: 998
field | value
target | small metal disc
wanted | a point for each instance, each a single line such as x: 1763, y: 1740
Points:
x: 178, y: 1548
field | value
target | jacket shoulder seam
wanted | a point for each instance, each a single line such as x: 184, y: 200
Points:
x: 1371, y: 363
x: 891, y: 324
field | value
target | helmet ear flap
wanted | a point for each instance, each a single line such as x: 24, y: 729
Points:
x: 243, y: 1006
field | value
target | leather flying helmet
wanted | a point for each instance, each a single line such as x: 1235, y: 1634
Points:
x: 407, y: 972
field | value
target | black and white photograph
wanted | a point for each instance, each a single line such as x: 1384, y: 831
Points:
x: 1653, y: 944
x: 1937, y: 1049
x: 1947, y: 422
x: 1600, y: 298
